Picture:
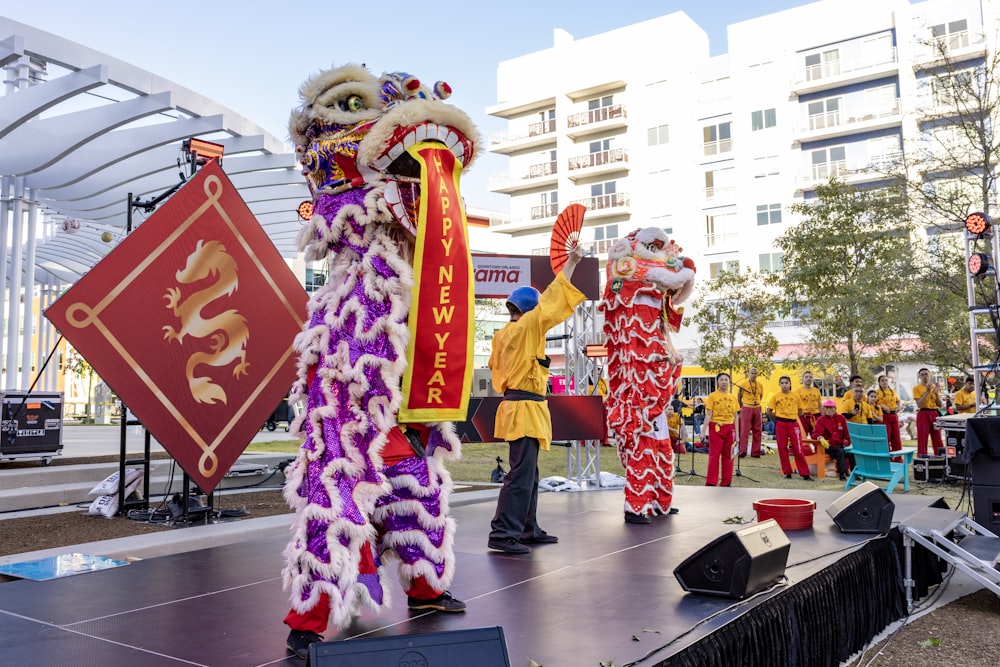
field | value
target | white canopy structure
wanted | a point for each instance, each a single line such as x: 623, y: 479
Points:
x: 79, y: 132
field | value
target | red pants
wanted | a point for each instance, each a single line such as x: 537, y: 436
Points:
x: 808, y: 420
x: 750, y: 423
x: 789, y: 436
x: 925, y: 427
x: 720, y: 446
x: 891, y: 421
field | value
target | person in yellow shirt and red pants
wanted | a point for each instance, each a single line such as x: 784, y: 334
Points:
x: 785, y: 409
x: 810, y: 398
x: 888, y: 402
x: 750, y: 398
x: 721, y: 409
x: 928, y: 398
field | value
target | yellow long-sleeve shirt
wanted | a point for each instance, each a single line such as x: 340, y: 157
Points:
x: 514, y: 362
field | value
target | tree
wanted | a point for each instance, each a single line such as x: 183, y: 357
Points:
x: 844, y: 273
x: 949, y: 171
x: 80, y: 368
x: 733, y: 311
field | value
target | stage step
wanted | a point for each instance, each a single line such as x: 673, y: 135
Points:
x: 956, y: 538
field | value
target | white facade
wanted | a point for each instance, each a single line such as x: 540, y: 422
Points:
x: 645, y: 128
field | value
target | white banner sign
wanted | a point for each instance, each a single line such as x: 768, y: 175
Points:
x: 496, y: 277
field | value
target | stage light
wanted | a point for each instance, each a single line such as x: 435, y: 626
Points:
x: 202, y: 152
x: 979, y: 264
x: 305, y: 210
x: 978, y: 224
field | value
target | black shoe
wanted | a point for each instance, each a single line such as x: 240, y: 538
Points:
x: 544, y: 538
x: 630, y: 517
x: 743, y: 456
x: 299, y: 641
x: 508, y: 545
x: 843, y: 478
x: 807, y: 478
x: 443, y: 602
x: 788, y: 476
x: 673, y: 510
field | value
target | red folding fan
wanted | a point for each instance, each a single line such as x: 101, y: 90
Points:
x: 565, y: 235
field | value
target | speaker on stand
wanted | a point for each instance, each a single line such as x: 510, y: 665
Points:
x: 737, y: 564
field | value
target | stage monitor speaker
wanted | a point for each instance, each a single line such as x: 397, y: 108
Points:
x: 482, y: 647
x: 737, y: 564
x: 864, y: 509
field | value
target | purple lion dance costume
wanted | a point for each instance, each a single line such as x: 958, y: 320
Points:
x: 365, y: 488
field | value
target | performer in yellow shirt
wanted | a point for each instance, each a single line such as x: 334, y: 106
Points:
x: 855, y: 407
x: 928, y: 398
x: 888, y: 402
x: 810, y: 398
x: 520, y: 373
x: 785, y: 409
x: 965, y: 398
x: 721, y: 409
x: 678, y: 432
x: 750, y: 396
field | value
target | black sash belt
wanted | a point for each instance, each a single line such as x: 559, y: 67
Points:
x: 518, y: 395
x: 783, y: 419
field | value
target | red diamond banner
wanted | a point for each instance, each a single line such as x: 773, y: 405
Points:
x: 190, y: 320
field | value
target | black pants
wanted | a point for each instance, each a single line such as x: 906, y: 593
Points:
x: 842, y: 458
x: 518, y: 501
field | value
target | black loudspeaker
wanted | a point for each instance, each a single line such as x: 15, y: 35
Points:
x: 482, y: 647
x: 864, y: 509
x: 737, y: 564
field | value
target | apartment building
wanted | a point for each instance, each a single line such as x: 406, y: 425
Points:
x: 645, y: 128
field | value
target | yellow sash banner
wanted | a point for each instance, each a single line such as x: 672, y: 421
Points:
x: 438, y: 378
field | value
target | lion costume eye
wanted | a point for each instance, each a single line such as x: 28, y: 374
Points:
x: 352, y: 103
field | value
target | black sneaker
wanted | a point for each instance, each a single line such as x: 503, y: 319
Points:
x: 631, y: 517
x: 807, y: 478
x: 788, y: 476
x: 443, y: 602
x: 508, y: 545
x: 544, y: 538
x: 299, y: 641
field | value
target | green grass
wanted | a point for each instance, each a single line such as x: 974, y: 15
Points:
x: 479, y: 459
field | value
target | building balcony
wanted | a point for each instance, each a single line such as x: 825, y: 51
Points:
x: 617, y: 203
x: 511, y: 224
x: 720, y: 194
x: 544, y: 212
x: 955, y: 48
x: 836, y: 73
x: 719, y: 242
x: 851, y: 120
x: 537, y: 175
x: 535, y: 135
x: 611, y: 117
x: 852, y: 173
x: 595, y: 164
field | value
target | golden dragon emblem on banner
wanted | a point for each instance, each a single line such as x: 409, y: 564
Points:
x: 227, y: 331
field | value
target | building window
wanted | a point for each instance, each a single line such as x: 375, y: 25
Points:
x: 829, y: 163
x: 719, y: 182
x: 314, y: 279
x: 718, y: 138
x: 953, y: 35
x: 768, y: 214
x: 600, y: 146
x: 658, y: 135
x: 605, y: 101
x: 765, y: 166
x: 822, y: 65
x: 761, y: 120
x: 719, y: 229
x: 824, y: 113
x: 716, y: 269
x: 606, y: 188
x: 771, y: 262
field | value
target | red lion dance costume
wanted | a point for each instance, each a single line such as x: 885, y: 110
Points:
x: 646, y: 277
x: 364, y: 487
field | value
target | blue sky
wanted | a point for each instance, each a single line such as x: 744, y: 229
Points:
x: 251, y: 56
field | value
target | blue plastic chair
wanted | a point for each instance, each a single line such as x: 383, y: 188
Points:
x: 873, y: 460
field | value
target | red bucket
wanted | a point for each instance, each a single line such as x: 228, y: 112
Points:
x: 790, y: 513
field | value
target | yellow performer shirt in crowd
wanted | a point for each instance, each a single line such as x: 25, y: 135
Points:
x: 723, y: 406
x: 847, y: 408
x: 514, y: 361
x: 888, y: 398
x: 810, y: 399
x: 918, y: 393
x: 751, y: 394
x: 674, y: 425
x: 786, y: 406
x: 965, y: 398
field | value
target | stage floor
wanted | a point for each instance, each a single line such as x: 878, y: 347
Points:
x: 606, y: 591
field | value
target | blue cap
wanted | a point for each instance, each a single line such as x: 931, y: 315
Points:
x: 524, y: 298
